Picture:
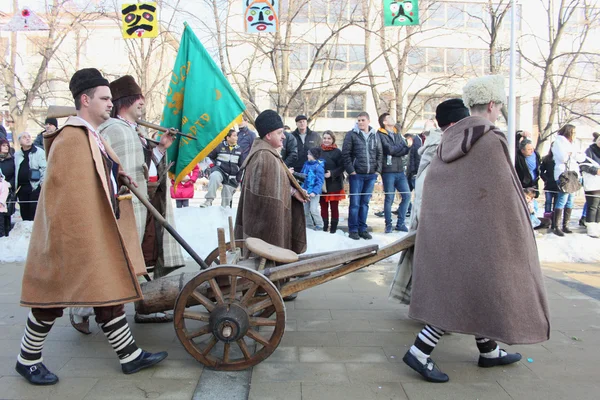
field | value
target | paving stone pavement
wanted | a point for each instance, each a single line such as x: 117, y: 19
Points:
x: 343, y: 340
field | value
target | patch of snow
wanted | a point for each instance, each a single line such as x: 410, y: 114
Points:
x: 198, y: 227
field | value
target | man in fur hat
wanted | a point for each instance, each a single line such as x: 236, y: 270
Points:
x: 478, y: 270
x: 145, y: 160
x: 271, y: 202
x: 79, y: 254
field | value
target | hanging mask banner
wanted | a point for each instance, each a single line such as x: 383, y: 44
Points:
x: 400, y: 13
x: 140, y: 20
x: 26, y: 20
x: 261, y: 16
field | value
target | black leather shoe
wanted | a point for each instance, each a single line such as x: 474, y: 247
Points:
x: 379, y: 214
x: 509, y: 358
x: 365, y: 235
x: 36, y: 374
x: 354, y: 235
x: 429, y: 371
x: 145, y: 360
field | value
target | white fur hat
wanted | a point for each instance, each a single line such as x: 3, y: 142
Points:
x: 484, y: 89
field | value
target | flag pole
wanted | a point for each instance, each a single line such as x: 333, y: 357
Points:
x: 512, y: 107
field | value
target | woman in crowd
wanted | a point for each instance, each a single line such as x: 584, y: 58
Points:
x: 565, y: 159
x: 550, y: 186
x: 590, y: 169
x: 334, y: 182
x: 7, y: 169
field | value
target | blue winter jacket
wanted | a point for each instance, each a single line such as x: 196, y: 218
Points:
x: 315, y: 176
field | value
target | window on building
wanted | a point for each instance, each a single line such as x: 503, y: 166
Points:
x: 436, y: 15
x: 346, y: 105
x: 474, y: 64
x: 455, y: 15
x: 455, y: 61
x: 299, y: 57
x: 302, y: 12
x: 356, y: 57
x: 319, y: 10
x: 435, y: 60
x: 36, y: 45
x: 416, y: 59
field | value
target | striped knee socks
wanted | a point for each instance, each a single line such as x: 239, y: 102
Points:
x: 426, y: 341
x: 33, y: 340
x: 119, y: 336
x: 489, y: 348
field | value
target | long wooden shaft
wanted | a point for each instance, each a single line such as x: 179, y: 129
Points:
x: 167, y: 226
x: 317, y: 264
x: 297, y: 286
x: 162, y: 129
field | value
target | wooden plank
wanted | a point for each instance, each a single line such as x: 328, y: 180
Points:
x: 318, y: 263
x: 303, y: 284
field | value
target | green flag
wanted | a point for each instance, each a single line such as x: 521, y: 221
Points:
x: 400, y: 13
x: 200, y: 102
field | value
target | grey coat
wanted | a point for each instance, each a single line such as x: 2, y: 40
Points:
x: 37, y: 160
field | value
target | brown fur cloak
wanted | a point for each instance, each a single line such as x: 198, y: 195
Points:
x: 267, y: 210
x: 79, y: 254
x: 476, y: 263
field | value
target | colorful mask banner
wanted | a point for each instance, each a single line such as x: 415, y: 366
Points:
x: 26, y: 20
x: 261, y: 16
x: 400, y: 13
x: 140, y: 20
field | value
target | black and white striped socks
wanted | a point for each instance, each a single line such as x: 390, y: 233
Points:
x: 426, y: 341
x: 119, y: 336
x: 33, y: 340
x: 489, y: 348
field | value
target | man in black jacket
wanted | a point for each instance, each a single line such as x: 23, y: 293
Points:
x: 245, y: 137
x: 395, y: 148
x: 305, y: 140
x: 228, y: 159
x: 289, y: 151
x: 362, y: 154
x: 527, y: 164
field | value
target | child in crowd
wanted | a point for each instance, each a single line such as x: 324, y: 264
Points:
x: 314, y: 170
x: 536, y: 222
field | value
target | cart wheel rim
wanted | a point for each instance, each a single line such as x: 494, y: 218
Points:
x: 233, y: 320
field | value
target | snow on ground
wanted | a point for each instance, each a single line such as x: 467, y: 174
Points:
x: 198, y: 226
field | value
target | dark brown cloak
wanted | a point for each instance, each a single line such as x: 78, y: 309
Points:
x: 266, y: 209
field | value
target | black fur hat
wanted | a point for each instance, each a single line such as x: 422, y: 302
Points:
x: 84, y: 79
x: 267, y: 122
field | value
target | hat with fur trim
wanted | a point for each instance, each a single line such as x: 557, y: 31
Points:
x: 85, y: 79
x: 267, y: 122
x: 125, y: 86
x: 484, y: 89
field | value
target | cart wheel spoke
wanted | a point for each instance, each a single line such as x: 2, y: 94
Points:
x: 202, y: 299
x: 199, y: 332
x: 261, y: 305
x: 232, y: 287
x: 210, y: 345
x: 197, y: 316
x: 258, y: 337
x: 249, y: 294
x: 259, y: 321
x: 216, y: 290
x: 226, y: 352
x: 244, y: 348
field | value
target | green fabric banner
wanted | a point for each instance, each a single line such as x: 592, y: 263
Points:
x: 400, y: 13
x: 200, y: 102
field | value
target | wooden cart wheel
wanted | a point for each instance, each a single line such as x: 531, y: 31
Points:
x: 226, y: 332
x: 213, y: 256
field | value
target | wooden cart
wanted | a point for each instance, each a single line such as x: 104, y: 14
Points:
x: 231, y: 315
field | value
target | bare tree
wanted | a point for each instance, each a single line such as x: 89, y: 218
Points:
x: 24, y: 86
x: 560, y: 54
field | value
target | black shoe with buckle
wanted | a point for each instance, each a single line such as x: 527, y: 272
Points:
x: 36, y: 374
x: 429, y: 371
x: 365, y: 235
x: 508, y: 358
x: 145, y: 360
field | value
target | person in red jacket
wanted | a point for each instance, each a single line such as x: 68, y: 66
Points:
x: 185, y: 188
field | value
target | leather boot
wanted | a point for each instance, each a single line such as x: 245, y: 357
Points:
x: 556, y: 221
x: 566, y: 218
x: 334, y: 224
x: 326, y: 224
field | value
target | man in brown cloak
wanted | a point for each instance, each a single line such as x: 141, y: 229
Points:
x: 478, y: 270
x: 271, y: 203
x: 79, y: 254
